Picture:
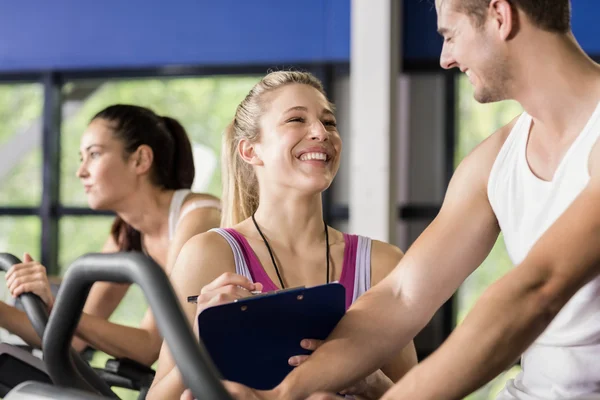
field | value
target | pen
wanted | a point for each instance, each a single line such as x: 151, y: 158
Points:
x: 194, y: 299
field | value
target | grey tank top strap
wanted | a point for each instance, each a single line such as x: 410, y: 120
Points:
x: 241, y: 267
x: 362, y: 275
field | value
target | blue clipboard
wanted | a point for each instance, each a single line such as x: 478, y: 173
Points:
x: 251, y: 340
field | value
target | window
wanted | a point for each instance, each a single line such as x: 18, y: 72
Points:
x: 93, y: 231
x: 17, y: 236
x: 475, y: 123
x: 20, y: 145
x: 20, y: 170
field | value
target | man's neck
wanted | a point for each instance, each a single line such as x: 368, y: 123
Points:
x: 558, y: 85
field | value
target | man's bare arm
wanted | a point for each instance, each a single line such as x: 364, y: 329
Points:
x: 387, y: 317
x: 563, y: 260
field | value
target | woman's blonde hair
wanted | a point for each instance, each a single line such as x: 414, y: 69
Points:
x: 240, y: 186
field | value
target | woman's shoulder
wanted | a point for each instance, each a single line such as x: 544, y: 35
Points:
x: 209, y: 239
x: 200, y: 200
x: 202, y: 259
x: 384, y: 258
x: 209, y: 246
x: 200, y: 205
x: 382, y: 251
x: 385, y: 253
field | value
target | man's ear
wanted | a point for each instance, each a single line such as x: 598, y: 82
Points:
x: 248, y: 152
x: 142, y: 159
x: 505, y: 18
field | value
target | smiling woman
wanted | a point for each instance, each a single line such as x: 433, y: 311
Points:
x: 280, y: 152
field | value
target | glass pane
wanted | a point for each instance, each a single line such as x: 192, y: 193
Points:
x: 475, y: 123
x: 81, y: 235
x: 19, y: 235
x: 20, y: 144
x: 204, y: 106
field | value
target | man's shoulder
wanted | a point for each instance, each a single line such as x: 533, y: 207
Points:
x: 475, y: 169
x: 485, y: 153
x: 490, y: 147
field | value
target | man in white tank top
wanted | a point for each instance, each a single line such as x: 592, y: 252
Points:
x: 538, y: 181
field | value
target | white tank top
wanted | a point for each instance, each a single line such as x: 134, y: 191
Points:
x: 176, y: 214
x: 564, y: 362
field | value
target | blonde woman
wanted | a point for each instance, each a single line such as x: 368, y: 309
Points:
x: 281, y: 151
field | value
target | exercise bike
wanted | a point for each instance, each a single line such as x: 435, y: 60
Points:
x: 18, y: 364
x: 197, y: 370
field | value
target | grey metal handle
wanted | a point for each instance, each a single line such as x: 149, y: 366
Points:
x: 34, y: 307
x: 198, y: 372
x: 37, y: 313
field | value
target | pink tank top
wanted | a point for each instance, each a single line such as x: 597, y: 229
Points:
x: 356, y: 267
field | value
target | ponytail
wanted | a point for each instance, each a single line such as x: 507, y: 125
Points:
x: 125, y: 236
x: 240, y: 186
x: 182, y: 170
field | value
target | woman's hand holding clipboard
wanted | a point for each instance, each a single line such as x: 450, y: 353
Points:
x: 227, y: 288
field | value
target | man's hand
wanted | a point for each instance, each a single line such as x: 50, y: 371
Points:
x: 241, y: 392
x: 371, y: 387
x: 237, y: 391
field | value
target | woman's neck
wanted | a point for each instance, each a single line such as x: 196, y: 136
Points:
x: 290, y: 221
x: 147, y: 211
